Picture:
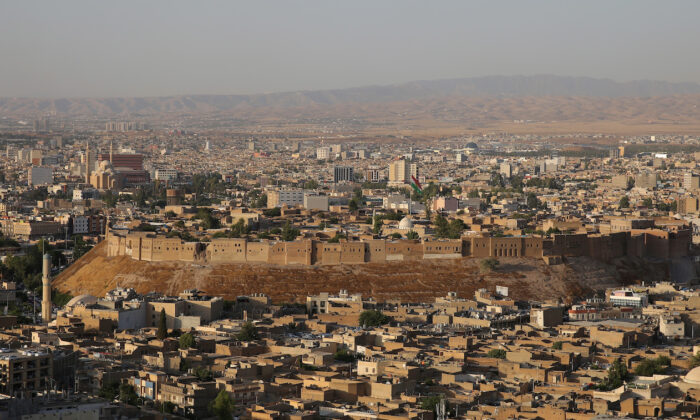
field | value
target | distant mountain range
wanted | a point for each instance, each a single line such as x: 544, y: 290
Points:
x: 491, y: 86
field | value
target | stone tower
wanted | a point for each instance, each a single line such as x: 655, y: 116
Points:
x: 46, y: 289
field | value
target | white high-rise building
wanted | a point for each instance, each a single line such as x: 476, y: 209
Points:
x: 401, y: 171
x: 398, y: 171
x: 323, y: 153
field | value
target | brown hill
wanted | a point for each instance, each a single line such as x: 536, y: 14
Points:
x: 410, y: 281
x: 474, y: 87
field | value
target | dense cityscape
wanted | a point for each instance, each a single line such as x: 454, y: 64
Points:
x: 303, y: 210
x: 521, y: 335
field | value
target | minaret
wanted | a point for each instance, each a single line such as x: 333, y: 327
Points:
x: 110, y: 152
x: 107, y: 229
x: 87, y: 162
x: 46, y: 290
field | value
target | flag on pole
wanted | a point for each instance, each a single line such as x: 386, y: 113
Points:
x: 416, y: 185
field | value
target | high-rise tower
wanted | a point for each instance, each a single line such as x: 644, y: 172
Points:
x: 46, y: 292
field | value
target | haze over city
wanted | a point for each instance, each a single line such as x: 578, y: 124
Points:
x: 301, y: 210
x: 162, y: 48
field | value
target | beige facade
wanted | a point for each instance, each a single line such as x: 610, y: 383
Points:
x: 24, y: 371
x: 28, y: 230
x: 627, y: 239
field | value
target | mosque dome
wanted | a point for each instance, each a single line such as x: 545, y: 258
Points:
x: 82, y: 300
x: 105, y: 168
x: 406, y: 223
x: 693, y: 377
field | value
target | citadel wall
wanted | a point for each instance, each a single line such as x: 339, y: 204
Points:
x: 146, y: 246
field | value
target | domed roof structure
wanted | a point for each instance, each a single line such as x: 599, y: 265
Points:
x: 472, y: 145
x: 693, y: 377
x: 406, y: 223
x: 105, y: 167
x: 82, y: 300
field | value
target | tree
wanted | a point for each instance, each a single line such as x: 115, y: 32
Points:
x: 336, y: 238
x: 203, y: 374
x: 311, y: 185
x: 617, y: 375
x: 127, y: 394
x: 80, y: 247
x: 222, y: 406
x: 648, y: 202
x: 488, y: 265
x: 187, y: 341
x: 357, y: 195
x: 649, y: 367
x: 373, y: 318
x: 261, y: 201
x: 532, y: 201
x: 240, y: 228
x: 162, y: 328
x: 441, y: 226
x: 377, y: 226
x: 624, y: 202
x: 412, y: 234
x: 558, y: 345
x: 552, y: 231
x: 168, y: 407
x: 516, y: 181
x: 353, y: 206
x: 430, y: 403
x: 289, y: 233
x: 497, y: 353
x: 109, y: 391
x: 273, y: 212
x: 26, y: 269
x: 109, y: 199
x: 248, y: 332
x: 343, y: 355
x: 497, y: 180
x: 60, y: 299
x: 208, y: 221
x: 695, y: 360
x: 455, y: 228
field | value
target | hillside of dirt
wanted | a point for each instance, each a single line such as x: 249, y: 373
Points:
x: 409, y: 281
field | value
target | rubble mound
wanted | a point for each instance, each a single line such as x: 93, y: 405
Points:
x: 410, y: 281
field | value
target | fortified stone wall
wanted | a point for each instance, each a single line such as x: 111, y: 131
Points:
x: 605, y: 247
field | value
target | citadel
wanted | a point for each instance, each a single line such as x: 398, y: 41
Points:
x: 666, y: 242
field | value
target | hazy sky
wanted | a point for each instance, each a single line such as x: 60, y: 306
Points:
x: 143, y: 48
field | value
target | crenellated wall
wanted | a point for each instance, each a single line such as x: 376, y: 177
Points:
x: 605, y: 247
